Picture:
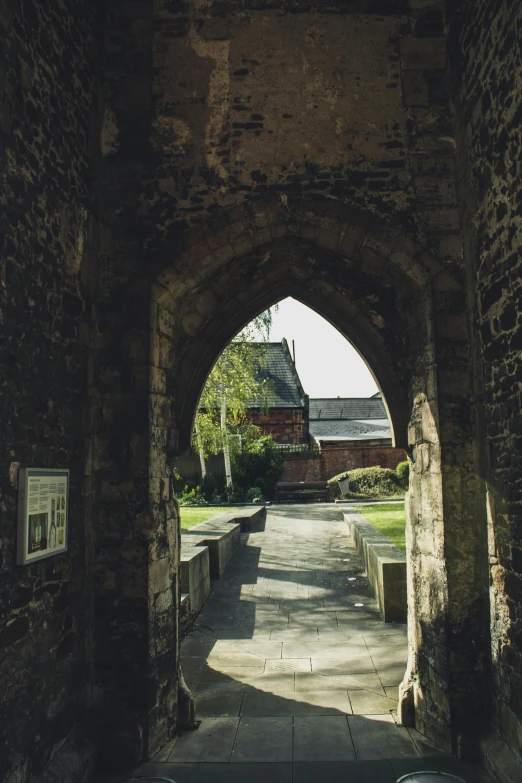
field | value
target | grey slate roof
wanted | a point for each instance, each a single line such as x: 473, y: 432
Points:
x: 347, y: 408
x: 352, y: 418
x: 279, y: 369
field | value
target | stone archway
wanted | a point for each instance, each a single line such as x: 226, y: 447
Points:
x: 406, y: 314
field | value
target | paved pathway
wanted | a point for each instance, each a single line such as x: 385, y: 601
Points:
x: 294, y: 673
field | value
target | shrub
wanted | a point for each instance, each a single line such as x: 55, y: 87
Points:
x: 259, y: 463
x: 212, y: 485
x: 403, y: 473
x: 372, y: 482
x: 191, y: 497
x: 253, y: 495
x: 234, y: 494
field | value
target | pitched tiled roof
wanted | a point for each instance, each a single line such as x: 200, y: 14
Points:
x: 351, y: 430
x: 347, y: 408
x: 352, y: 418
x: 280, y: 371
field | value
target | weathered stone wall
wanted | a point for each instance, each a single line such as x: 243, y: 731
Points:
x: 486, y: 61
x: 201, y: 115
x: 229, y: 192
x: 250, y: 153
x: 50, y: 119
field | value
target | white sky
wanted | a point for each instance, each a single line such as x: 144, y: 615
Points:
x: 327, y: 364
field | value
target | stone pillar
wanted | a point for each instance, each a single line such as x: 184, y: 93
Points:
x: 423, y: 693
x: 136, y: 639
x: 442, y: 694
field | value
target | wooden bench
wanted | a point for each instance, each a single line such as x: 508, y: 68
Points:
x: 301, y: 491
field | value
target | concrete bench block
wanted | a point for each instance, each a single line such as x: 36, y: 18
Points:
x: 246, y: 517
x: 222, y: 539
x: 385, y: 566
x: 195, y: 573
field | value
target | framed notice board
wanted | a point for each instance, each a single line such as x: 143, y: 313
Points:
x: 43, y: 506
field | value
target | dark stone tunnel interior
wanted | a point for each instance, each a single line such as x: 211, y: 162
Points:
x: 168, y: 170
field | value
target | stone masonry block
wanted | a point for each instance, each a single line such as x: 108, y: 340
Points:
x: 194, y: 573
x: 422, y: 53
x: 415, y: 88
x: 385, y: 566
x: 222, y: 539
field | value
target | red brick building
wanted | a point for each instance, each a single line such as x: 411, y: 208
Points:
x: 285, y: 417
x: 341, y: 433
x: 349, y: 433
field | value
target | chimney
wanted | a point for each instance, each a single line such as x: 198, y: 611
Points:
x: 293, y: 351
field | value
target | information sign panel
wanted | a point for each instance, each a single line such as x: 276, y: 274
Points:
x: 43, y: 505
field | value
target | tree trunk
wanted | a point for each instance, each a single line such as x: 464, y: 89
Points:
x: 226, y: 452
x: 200, y: 450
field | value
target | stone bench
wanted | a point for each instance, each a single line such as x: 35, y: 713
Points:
x: 385, y: 566
x: 223, y: 539
x: 194, y: 573
x: 246, y: 517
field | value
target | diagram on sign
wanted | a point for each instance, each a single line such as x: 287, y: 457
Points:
x: 42, y: 515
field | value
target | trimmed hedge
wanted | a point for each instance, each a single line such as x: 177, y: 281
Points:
x: 374, y: 482
x: 403, y: 473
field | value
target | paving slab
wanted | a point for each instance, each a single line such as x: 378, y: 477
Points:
x: 273, y: 682
x: 234, y: 657
x: 346, y: 665
x: 295, y: 635
x: 378, y: 737
x: 263, y: 739
x: 213, y: 741
x: 344, y: 772
x: 393, y: 692
x: 287, y: 665
x: 322, y: 738
x: 368, y: 703
x: 311, y: 681
x: 261, y: 649
x: 391, y: 675
x: 205, y: 772
x: 229, y: 673
x: 321, y: 649
x: 204, y: 688
x: 326, y: 702
x: 216, y: 704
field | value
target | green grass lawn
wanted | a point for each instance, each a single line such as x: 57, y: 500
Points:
x: 389, y: 518
x: 193, y: 516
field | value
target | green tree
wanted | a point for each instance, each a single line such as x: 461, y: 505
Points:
x: 234, y: 383
x: 259, y: 464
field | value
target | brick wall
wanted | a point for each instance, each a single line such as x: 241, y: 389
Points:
x: 286, y: 425
x: 302, y: 469
x: 335, y: 459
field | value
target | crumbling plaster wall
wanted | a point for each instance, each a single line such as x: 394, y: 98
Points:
x: 50, y: 119
x: 486, y: 63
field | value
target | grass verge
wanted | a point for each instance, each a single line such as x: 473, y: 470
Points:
x: 193, y: 516
x: 388, y: 518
